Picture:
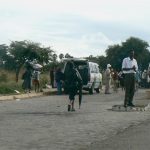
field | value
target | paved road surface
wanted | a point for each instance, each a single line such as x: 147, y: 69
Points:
x: 44, y: 124
x: 133, y: 138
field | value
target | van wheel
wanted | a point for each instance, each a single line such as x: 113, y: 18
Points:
x: 91, y: 90
x: 97, y: 90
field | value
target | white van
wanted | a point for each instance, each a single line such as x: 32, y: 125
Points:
x: 89, y: 71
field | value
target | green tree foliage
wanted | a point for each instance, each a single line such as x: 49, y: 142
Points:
x: 61, y: 56
x: 67, y: 55
x: 102, y: 62
x: 26, y: 50
x: 3, y: 54
x: 140, y: 47
x: 114, y: 56
x: 6, y: 59
x: 92, y: 59
x: 22, y: 51
x: 116, y: 53
x: 54, y: 58
x: 3, y: 51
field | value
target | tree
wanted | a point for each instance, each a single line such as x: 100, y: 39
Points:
x: 102, y: 62
x: 114, y: 56
x: 23, y: 51
x: 55, y: 58
x: 3, y: 54
x: 116, y: 53
x: 68, y: 56
x: 92, y: 58
x: 140, y: 47
x: 61, y: 56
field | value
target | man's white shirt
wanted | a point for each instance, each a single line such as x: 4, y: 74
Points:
x: 129, y: 63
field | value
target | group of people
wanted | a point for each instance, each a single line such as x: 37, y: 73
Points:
x: 126, y: 78
x: 30, y: 77
x: 113, y: 77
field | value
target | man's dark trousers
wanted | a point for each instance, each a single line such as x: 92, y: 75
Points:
x: 129, y: 88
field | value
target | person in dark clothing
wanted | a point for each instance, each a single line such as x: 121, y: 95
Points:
x: 73, y: 80
x: 27, y: 75
x: 52, y: 77
x: 59, y: 77
x: 121, y: 80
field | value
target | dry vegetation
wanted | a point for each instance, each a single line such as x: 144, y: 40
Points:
x: 8, y: 81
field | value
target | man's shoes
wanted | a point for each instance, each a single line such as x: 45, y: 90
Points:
x: 69, y: 107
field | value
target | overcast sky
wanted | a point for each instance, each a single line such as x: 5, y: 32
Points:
x: 78, y: 27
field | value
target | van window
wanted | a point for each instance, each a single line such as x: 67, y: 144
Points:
x: 92, y: 69
x: 96, y: 69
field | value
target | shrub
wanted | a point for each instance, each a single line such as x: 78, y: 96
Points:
x: 3, y: 77
x: 6, y: 90
x: 44, y: 79
x: 8, y: 83
x: 9, y: 87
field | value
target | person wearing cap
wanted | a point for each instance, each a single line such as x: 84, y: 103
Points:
x: 107, y: 79
x: 129, y: 67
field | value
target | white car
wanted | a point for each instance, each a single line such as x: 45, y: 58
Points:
x: 89, y: 71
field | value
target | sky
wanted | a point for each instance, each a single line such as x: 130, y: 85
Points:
x: 78, y: 27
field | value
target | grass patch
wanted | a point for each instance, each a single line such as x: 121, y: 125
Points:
x: 9, y: 87
x: 8, y: 83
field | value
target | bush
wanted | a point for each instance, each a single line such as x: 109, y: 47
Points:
x: 9, y: 87
x: 44, y: 80
x: 3, y: 77
x: 6, y: 90
x: 8, y: 83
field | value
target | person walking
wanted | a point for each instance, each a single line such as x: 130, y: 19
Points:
x: 73, y: 80
x: 129, y: 67
x: 107, y: 79
x: 59, y: 77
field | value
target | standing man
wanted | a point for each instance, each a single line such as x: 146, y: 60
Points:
x: 107, y: 79
x: 129, y: 67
